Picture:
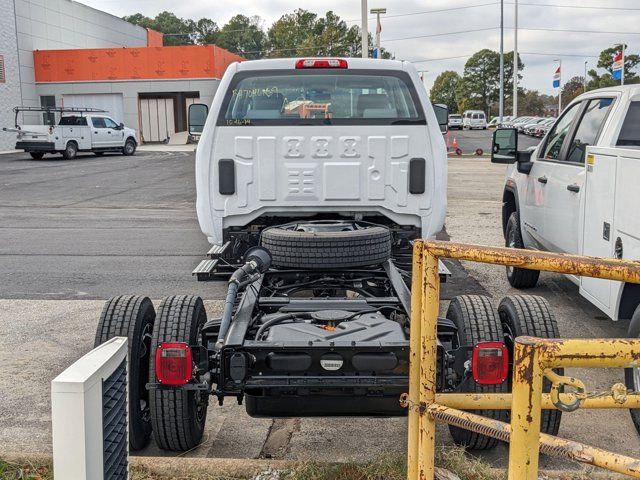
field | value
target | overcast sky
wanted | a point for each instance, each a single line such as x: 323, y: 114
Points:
x: 405, y: 19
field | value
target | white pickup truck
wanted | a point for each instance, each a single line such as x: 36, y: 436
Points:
x: 78, y: 130
x: 577, y: 192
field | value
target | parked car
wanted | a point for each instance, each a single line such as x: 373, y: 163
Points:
x: 455, y: 121
x: 517, y: 121
x: 78, y: 130
x: 528, y: 128
x: 577, y: 193
x: 474, y: 119
x: 521, y: 124
x: 543, y: 127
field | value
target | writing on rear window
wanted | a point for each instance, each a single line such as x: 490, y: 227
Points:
x: 341, y: 98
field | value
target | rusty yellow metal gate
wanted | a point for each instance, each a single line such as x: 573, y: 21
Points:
x: 534, y: 358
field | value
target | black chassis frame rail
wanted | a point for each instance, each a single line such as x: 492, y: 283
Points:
x: 241, y: 362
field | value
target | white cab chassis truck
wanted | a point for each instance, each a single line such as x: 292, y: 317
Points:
x: 578, y: 193
x: 313, y: 176
x: 78, y: 130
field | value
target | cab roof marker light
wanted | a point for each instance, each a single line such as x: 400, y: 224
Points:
x: 321, y: 63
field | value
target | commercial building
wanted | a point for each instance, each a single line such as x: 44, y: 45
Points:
x: 66, y: 54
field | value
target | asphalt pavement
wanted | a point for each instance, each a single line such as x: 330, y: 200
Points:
x: 94, y: 227
x: 471, y: 140
x: 75, y: 232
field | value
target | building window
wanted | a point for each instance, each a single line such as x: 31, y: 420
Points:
x: 48, y: 118
x: 3, y: 76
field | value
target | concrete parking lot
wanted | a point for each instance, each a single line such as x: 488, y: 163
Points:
x: 75, y: 232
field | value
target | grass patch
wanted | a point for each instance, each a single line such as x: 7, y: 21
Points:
x: 24, y: 471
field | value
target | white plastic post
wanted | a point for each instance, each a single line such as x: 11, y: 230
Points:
x: 76, y: 412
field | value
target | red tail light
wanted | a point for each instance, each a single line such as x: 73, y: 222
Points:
x: 174, y: 364
x: 490, y: 363
x: 321, y: 63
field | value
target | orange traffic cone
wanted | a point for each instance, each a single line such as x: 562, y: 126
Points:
x: 455, y: 143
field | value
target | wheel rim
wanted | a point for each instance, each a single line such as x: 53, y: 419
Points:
x: 129, y: 147
x: 326, y: 226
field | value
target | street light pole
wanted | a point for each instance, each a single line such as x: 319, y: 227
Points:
x: 515, y: 62
x: 378, y: 11
x: 501, y: 104
x: 365, y: 29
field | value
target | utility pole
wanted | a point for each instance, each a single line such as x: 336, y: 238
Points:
x: 378, y: 11
x: 501, y: 103
x: 365, y: 29
x: 515, y: 62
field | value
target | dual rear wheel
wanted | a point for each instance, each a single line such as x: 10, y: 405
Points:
x: 175, y: 416
x: 477, y: 320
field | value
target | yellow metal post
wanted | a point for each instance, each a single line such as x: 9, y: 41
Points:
x: 526, y: 413
x: 414, y: 362
x: 429, y: 335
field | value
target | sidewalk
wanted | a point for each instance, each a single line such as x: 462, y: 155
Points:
x: 161, y: 147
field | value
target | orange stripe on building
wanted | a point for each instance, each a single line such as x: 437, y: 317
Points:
x: 145, y: 63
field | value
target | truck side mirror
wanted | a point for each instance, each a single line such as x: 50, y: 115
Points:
x: 442, y: 114
x: 504, y: 147
x: 197, y: 117
x: 121, y: 126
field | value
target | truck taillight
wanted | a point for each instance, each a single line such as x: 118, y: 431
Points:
x: 490, y: 363
x: 174, y: 364
x: 321, y: 63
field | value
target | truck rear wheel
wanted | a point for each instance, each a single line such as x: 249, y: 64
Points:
x: 518, y: 277
x: 632, y: 375
x: 178, y: 415
x: 36, y: 155
x: 71, y: 151
x: 530, y: 315
x: 477, y: 321
x: 327, y: 244
x: 132, y: 316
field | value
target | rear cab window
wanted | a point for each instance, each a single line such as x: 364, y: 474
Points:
x: 630, y: 132
x: 321, y: 97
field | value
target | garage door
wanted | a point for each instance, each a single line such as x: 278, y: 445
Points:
x: 156, y: 119
x: 111, y: 102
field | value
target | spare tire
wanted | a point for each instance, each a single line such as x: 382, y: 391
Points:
x: 327, y: 244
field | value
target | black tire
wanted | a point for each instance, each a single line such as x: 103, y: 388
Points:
x: 36, y: 155
x: 477, y: 321
x: 133, y: 317
x: 178, y: 415
x: 327, y: 244
x: 98, y: 154
x: 129, y: 147
x: 71, y: 151
x: 632, y: 383
x: 518, y: 277
x: 530, y: 315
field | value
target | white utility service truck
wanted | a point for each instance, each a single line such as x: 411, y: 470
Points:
x: 577, y: 193
x: 78, y: 130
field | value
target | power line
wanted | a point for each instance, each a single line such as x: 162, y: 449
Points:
x: 440, y: 34
x: 428, y: 11
x: 573, y: 6
x: 564, y: 30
